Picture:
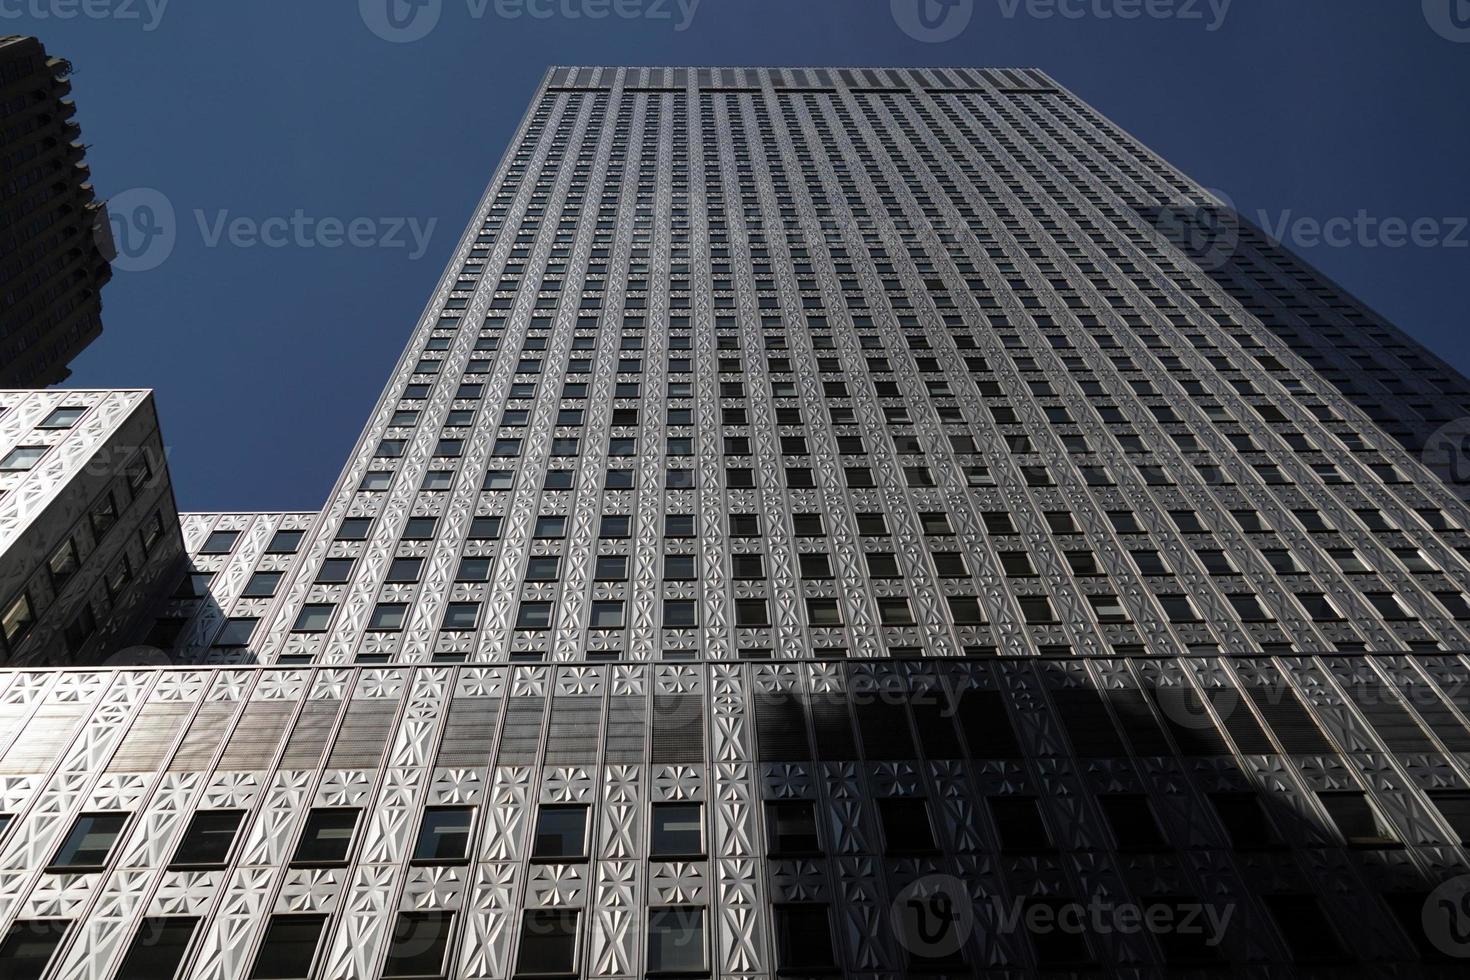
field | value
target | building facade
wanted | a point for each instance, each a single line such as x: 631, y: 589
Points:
x: 55, y: 240
x: 851, y: 522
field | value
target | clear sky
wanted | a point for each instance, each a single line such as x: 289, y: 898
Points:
x: 267, y: 355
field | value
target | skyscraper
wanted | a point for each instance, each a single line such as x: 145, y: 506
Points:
x: 55, y: 242
x: 859, y: 521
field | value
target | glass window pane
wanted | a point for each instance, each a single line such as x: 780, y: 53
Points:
x: 676, y: 941
x: 158, y: 949
x: 444, y: 834
x: 289, y: 947
x: 90, y: 841
x: 561, y: 833
x: 678, y: 830
x: 209, y: 838
x: 548, y: 943
x: 29, y: 946
x: 418, y: 944
x: 327, y: 837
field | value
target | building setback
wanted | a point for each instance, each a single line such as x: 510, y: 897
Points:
x: 55, y: 240
x: 861, y: 522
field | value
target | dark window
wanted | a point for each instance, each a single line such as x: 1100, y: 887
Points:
x: 1245, y: 820
x: 327, y: 836
x: 405, y: 569
x: 418, y: 945
x: 158, y: 949
x: 906, y: 825
x: 1019, y: 824
x: 236, y: 632
x: 89, y: 843
x: 561, y: 834
x: 289, y: 947
x: 1358, y: 820
x: 444, y: 834
x: 313, y: 618
x: 461, y: 616
x: 548, y: 944
x: 334, y: 571
x: 219, y: 543
x: 534, y: 616
x: 676, y: 942
x: 29, y: 945
x: 1135, y: 827
x: 262, y: 585
x: 1304, y: 928
x: 209, y: 839
x: 1453, y: 805
x: 285, y: 542
x: 791, y: 829
x: 679, y: 613
x: 804, y: 939
x: 1054, y: 935
x: 677, y: 830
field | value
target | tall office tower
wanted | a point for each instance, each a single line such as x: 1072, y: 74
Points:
x: 55, y: 242
x: 860, y: 522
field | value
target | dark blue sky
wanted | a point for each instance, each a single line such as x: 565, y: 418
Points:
x: 267, y: 360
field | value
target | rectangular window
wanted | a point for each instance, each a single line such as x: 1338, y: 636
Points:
x: 388, y: 617
x: 906, y: 825
x: 313, y: 618
x: 791, y: 829
x: 676, y: 943
x: 561, y: 834
x: 21, y: 458
x: 208, y: 841
x: 158, y: 949
x: 444, y: 835
x: 534, y: 616
x: 1358, y: 820
x: 548, y: 944
x: 89, y: 844
x: 677, y: 831
x: 804, y: 940
x: 327, y: 837
x: 29, y: 946
x: 462, y: 616
x: 262, y: 585
x: 1132, y: 820
x: 418, y: 945
x: 289, y: 947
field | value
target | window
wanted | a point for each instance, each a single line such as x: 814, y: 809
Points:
x: 611, y: 568
x: 63, y: 418
x: 89, y: 844
x: 791, y: 829
x: 1249, y: 608
x: 543, y: 568
x: 289, y: 947
x: 1304, y: 928
x: 1019, y: 824
x: 548, y: 944
x: 158, y: 949
x: 533, y: 616
x: 1132, y: 819
x: 327, y: 837
x: 418, y: 945
x: 485, y: 528
x: 21, y: 458
x: 815, y: 565
x: 208, y: 841
x: 313, y: 618
x: 751, y: 613
x: 606, y: 615
x: 1319, y: 607
x: 895, y: 612
x: 219, y: 543
x: 466, y: 615
x: 285, y: 543
x: 17, y: 620
x: 906, y: 826
x: 1358, y: 820
x: 1388, y: 605
x: 498, y: 480
x: 676, y: 942
x: 1037, y: 609
x: 354, y: 529
x: 1178, y: 608
x: 388, y: 617
x: 29, y: 945
x: 62, y: 565
x: 561, y: 834
x: 823, y: 612
x: 677, y: 831
x: 444, y: 835
x: 1245, y: 821
x: 236, y: 632
x: 405, y: 569
x: 1108, y: 609
x: 334, y: 571
x: 1453, y: 805
x: 419, y: 528
x: 262, y: 585
x: 804, y: 940
x: 679, y: 614
x: 552, y: 526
